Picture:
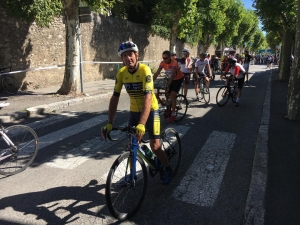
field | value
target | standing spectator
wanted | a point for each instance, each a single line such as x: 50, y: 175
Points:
x: 246, y: 65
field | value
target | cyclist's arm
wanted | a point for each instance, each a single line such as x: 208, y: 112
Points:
x: 113, y: 104
x: 114, y: 100
x: 157, y: 73
x: 208, y: 70
x: 146, y: 108
x: 197, y: 72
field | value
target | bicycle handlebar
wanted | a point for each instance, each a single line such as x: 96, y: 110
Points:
x: 123, y: 129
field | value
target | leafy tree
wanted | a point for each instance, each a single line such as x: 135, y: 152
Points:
x: 259, y: 41
x: 211, y: 22
x: 294, y: 82
x: 232, y: 22
x: 279, y: 16
x: 175, y: 14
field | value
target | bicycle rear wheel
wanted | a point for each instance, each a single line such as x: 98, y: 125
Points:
x: 10, y: 85
x: 234, y: 93
x: 181, y: 107
x: 171, y: 144
x: 14, y: 160
x: 124, y: 196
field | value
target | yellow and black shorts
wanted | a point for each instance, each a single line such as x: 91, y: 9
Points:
x: 152, y: 125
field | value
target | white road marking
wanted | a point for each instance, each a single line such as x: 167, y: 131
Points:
x: 61, y: 134
x: 201, y: 183
x: 82, y: 153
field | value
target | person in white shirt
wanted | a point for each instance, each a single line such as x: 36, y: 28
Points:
x: 201, y: 68
x: 185, y: 65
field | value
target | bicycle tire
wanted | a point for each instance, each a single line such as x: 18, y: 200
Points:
x: 117, y: 186
x: 206, y: 94
x: 234, y: 93
x: 171, y: 144
x: 26, y: 141
x: 222, y: 96
x: 181, y: 107
x: 10, y: 85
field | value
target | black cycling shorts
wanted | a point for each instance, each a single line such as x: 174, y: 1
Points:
x: 152, y: 124
x: 175, y: 85
x: 241, y: 82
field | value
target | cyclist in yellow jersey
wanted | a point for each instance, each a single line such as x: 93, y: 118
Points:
x: 138, y: 82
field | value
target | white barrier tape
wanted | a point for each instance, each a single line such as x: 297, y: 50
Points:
x: 58, y: 66
x: 98, y: 62
x: 32, y: 69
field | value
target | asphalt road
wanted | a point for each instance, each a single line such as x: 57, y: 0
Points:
x: 66, y: 182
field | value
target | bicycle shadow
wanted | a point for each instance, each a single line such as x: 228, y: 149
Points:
x: 60, y: 205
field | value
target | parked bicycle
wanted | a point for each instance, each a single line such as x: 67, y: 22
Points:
x: 225, y: 93
x: 18, y: 147
x: 160, y: 85
x: 203, y: 90
x: 9, y: 83
x: 126, y: 182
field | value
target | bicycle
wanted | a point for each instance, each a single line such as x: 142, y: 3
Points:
x: 18, y: 147
x: 126, y: 182
x: 9, y: 83
x: 181, y: 101
x: 225, y: 93
x: 203, y: 90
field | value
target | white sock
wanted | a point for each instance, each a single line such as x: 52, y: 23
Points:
x: 237, y: 99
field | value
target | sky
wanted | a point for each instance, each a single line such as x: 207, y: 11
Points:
x: 248, y: 4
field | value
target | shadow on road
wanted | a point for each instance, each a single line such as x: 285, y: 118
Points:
x: 60, y: 205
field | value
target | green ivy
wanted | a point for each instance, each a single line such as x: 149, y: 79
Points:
x: 40, y: 11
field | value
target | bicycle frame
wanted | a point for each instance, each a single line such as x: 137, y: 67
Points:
x: 8, y: 142
x: 135, y: 150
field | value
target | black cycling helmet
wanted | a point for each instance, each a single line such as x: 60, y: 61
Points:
x: 232, y: 60
x: 203, y: 55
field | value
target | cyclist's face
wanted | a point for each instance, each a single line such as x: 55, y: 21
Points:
x: 202, y: 59
x: 166, y: 58
x: 130, y: 58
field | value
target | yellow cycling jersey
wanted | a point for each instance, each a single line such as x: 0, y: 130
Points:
x: 137, y: 86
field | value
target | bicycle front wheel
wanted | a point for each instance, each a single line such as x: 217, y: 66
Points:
x: 14, y: 159
x: 124, y: 196
x: 181, y: 107
x: 222, y: 96
x: 205, y: 93
x: 171, y: 144
x: 10, y: 85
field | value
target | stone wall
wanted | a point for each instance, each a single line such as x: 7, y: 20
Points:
x: 26, y: 46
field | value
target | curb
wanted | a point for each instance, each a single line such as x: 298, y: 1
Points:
x: 49, y: 108
x: 255, y: 205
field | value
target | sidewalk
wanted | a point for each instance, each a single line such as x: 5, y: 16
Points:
x: 283, y: 180
x: 45, y: 100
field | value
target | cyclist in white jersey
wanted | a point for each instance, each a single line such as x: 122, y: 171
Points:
x: 185, y: 65
x: 201, y: 66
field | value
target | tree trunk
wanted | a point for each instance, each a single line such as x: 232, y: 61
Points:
x: 71, y: 82
x: 284, y: 70
x: 174, y: 30
x: 294, y: 82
